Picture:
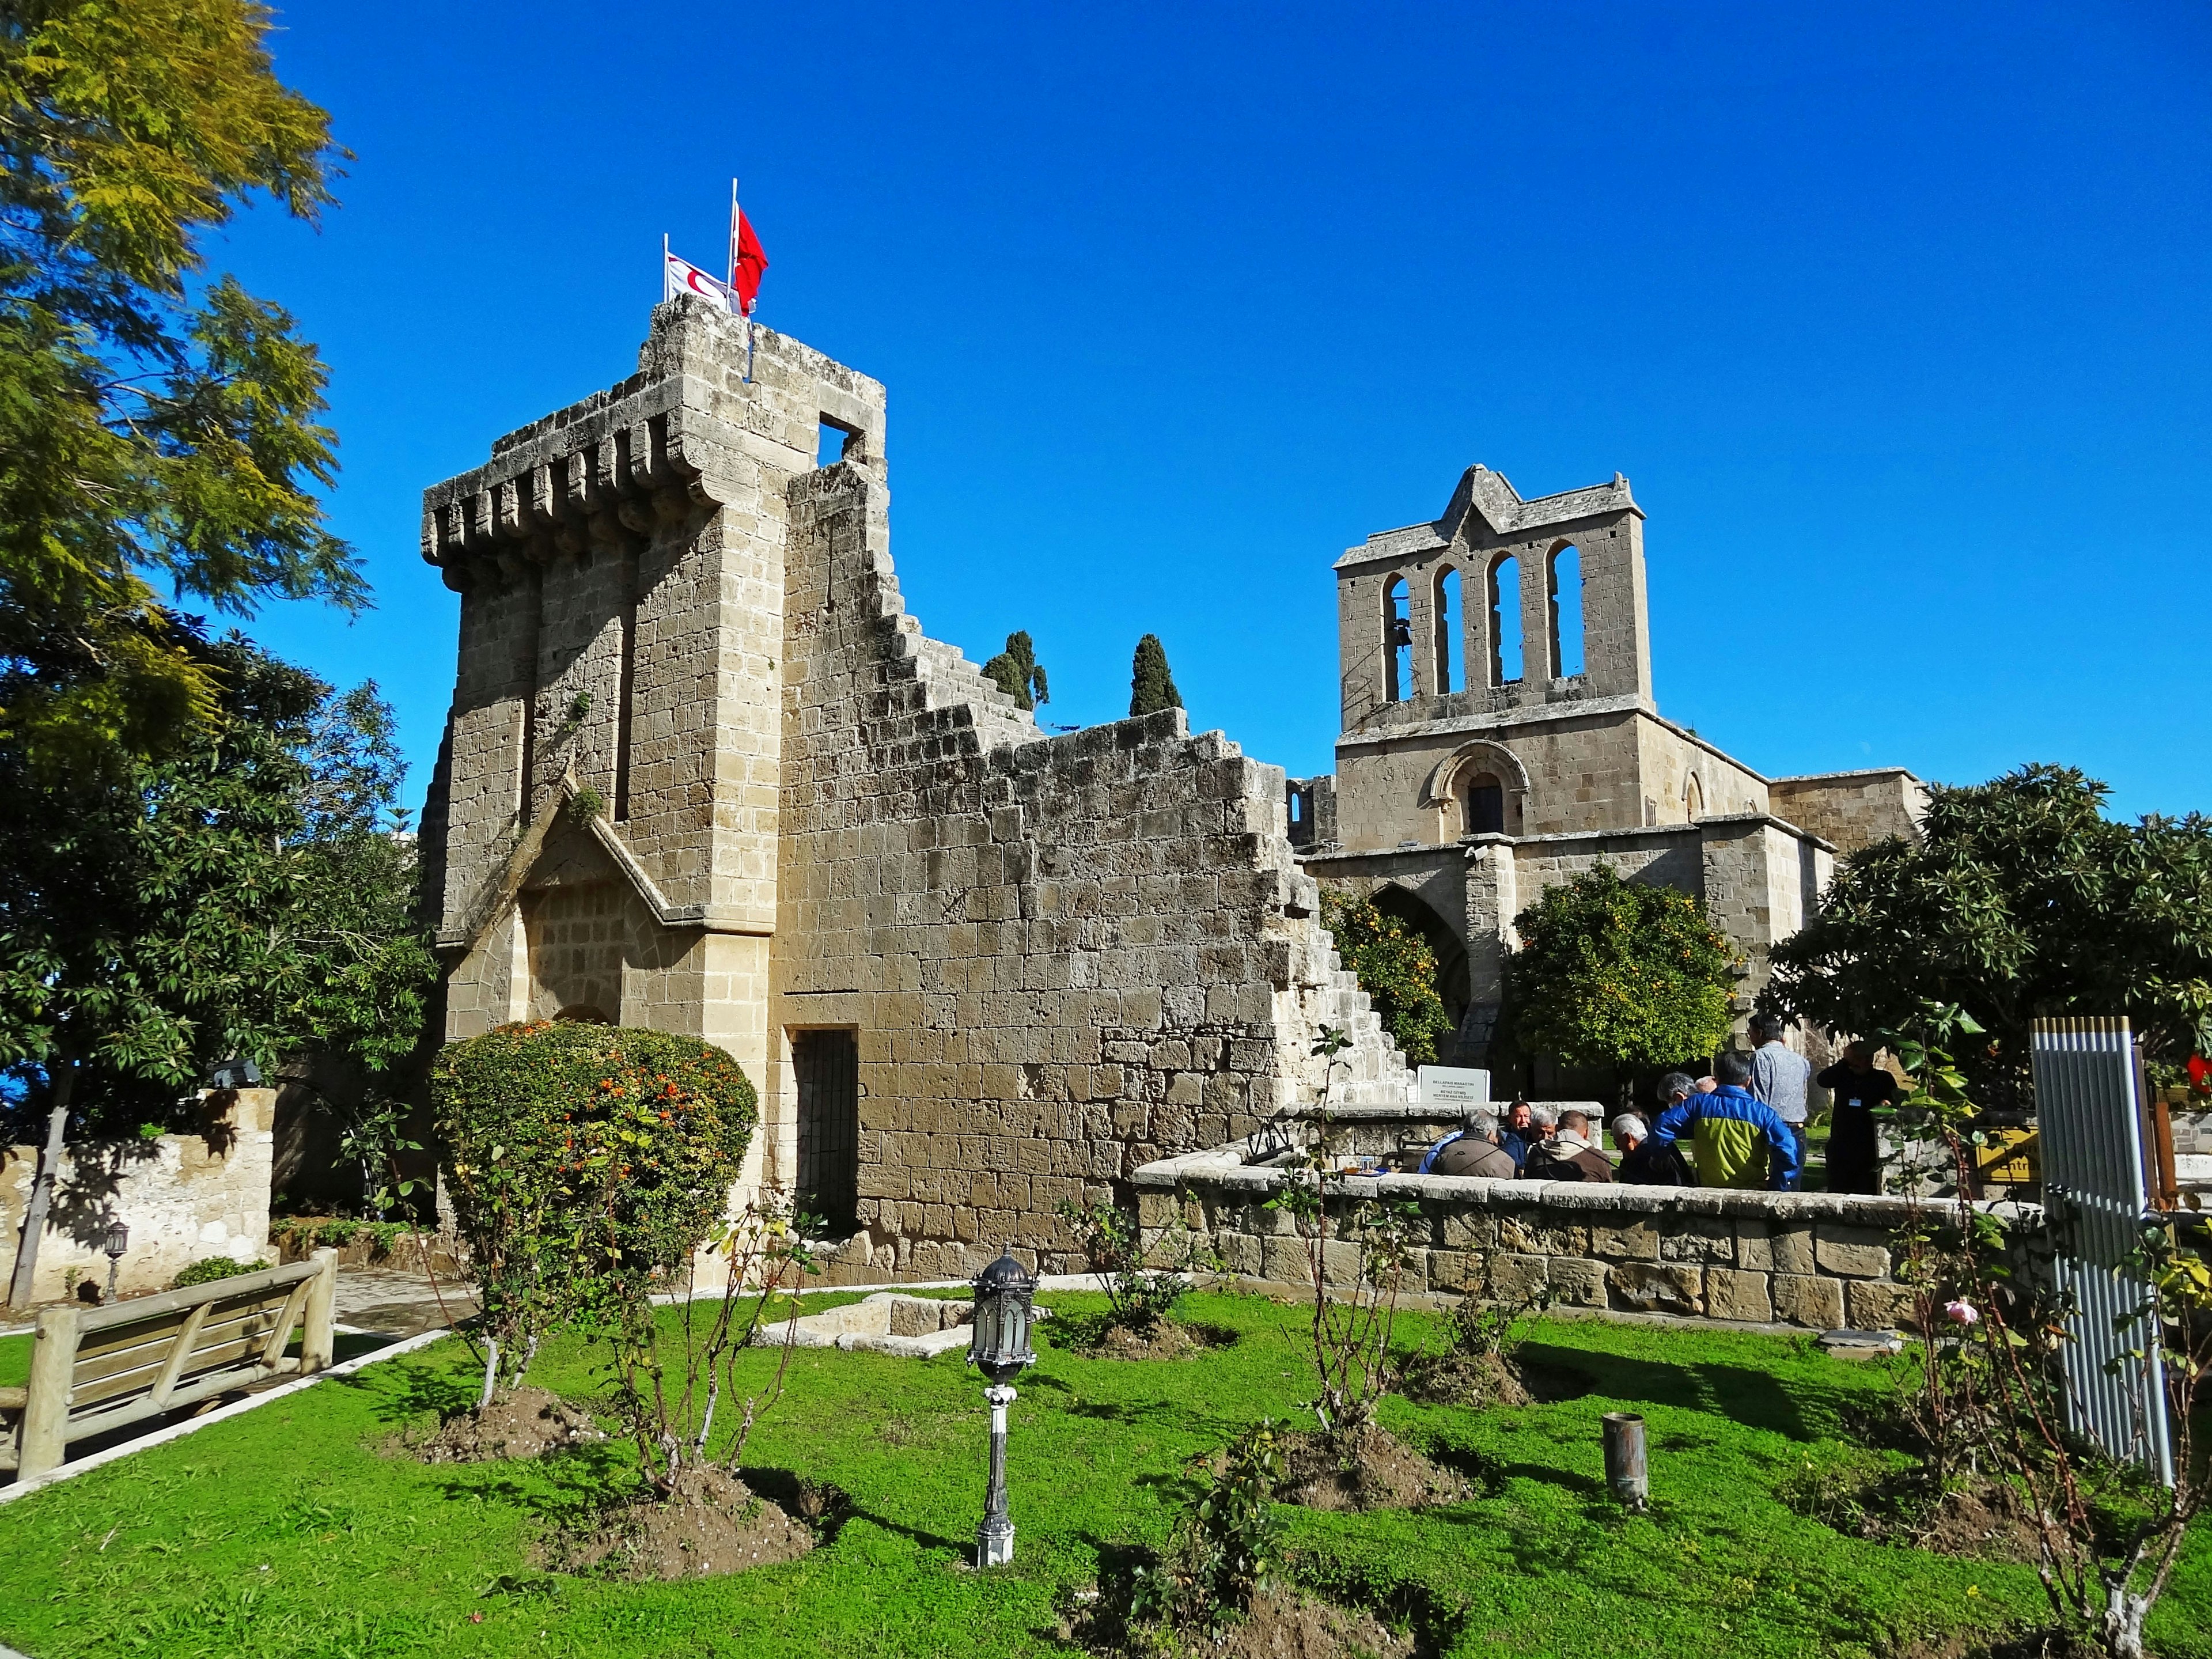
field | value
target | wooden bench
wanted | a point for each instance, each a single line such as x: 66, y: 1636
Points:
x: 97, y: 1369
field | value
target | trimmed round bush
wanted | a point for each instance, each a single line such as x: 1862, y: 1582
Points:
x: 586, y: 1162
x: 208, y: 1269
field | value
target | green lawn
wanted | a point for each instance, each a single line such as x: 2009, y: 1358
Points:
x: 285, y: 1532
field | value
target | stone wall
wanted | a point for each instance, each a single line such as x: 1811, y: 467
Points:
x: 1820, y: 1260
x: 183, y: 1197
x: 1061, y: 957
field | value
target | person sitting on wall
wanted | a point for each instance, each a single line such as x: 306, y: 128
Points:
x: 1471, y: 1151
x: 1644, y: 1162
x: 1778, y: 1076
x: 1859, y: 1085
x: 1566, y: 1154
x: 1727, y: 1129
x: 1520, y: 1133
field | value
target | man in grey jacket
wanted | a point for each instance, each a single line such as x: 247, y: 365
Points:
x: 1778, y: 1076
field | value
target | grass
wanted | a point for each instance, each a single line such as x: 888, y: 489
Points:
x: 286, y: 1533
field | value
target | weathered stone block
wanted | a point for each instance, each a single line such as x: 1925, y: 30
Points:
x: 1698, y: 1238
x: 1731, y: 1293
x: 1804, y: 1299
x: 1240, y: 1254
x: 1657, y: 1287
x: 1633, y: 1241
x: 1514, y: 1277
x: 1578, y: 1282
x: 1876, y: 1304
x: 1284, y: 1260
x: 1755, y: 1246
x: 1791, y: 1249
x: 1465, y: 1229
x: 1851, y: 1252
x: 1456, y: 1271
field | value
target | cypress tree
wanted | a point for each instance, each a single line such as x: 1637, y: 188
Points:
x: 1151, y: 687
x: 1016, y: 671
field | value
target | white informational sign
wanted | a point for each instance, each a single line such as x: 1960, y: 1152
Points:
x: 1457, y: 1086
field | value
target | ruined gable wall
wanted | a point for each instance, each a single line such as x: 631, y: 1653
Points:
x: 1854, y: 810
x: 1061, y: 956
x: 1668, y: 757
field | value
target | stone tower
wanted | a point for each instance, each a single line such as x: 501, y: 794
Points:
x: 704, y: 773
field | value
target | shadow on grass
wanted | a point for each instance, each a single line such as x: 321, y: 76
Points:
x: 567, y: 1485
x: 406, y: 1387
x: 1799, y: 1406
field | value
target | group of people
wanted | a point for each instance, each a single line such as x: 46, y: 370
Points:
x: 1744, y: 1124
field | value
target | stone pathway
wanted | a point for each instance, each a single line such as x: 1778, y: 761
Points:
x: 395, y: 1303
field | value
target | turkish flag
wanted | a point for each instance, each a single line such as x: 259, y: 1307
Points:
x: 747, y: 262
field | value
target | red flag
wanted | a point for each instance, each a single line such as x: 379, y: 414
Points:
x: 747, y: 262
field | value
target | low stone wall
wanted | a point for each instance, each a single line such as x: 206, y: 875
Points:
x: 1820, y: 1260
x: 183, y: 1197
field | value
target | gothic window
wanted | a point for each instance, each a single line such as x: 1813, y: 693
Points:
x: 1397, y: 641
x: 1485, y: 806
x: 1566, y: 590
x: 1447, y: 609
x: 1505, y: 621
x: 1693, y: 800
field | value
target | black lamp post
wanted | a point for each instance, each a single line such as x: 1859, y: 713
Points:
x: 999, y: 1348
x: 118, y: 1241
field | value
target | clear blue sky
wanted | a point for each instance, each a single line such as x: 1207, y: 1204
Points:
x: 1896, y: 316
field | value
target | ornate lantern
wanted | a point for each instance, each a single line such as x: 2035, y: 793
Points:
x: 999, y: 1346
x: 118, y: 1241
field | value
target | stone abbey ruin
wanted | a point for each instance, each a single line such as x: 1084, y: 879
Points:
x: 704, y: 772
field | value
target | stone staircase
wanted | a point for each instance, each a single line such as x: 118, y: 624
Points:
x: 1370, y: 1072
x: 949, y: 680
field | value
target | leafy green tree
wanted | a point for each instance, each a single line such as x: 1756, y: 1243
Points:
x: 155, y: 426
x: 2019, y: 899
x: 1151, y: 687
x: 1396, y: 967
x: 245, y: 894
x: 1016, y: 673
x: 1615, y: 975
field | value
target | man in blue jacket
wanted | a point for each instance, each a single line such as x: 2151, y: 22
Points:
x: 1728, y: 1129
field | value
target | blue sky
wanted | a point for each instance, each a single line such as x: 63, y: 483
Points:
x: 1895, y: 316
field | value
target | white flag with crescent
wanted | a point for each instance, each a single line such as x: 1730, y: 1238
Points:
x: 682, y: 276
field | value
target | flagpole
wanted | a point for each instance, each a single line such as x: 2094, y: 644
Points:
x: 736, y: 221
x: 664, y: 267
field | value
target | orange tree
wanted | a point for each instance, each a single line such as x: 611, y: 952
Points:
x: 1615, y: 975
x: 1396, y: 967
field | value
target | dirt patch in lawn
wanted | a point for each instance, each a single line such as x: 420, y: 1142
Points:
x: 1989, y: 1523
x: 1376, y: 1471
x: 714, y: 1523
x: 1170, y: 1338
x: 527, y: 1422
x: 1285, y: 1625
x: 1984, y: 1519
x: 1489, y: 1379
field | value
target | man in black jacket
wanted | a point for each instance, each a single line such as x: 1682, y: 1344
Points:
x: 1859, y: 1085
x: 1643, y: 1161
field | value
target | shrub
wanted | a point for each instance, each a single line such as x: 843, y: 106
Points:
x: 208, y: 1269
x: 1225, y: 1546
x: 588, y: 1163
x: 1138, y: 1296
